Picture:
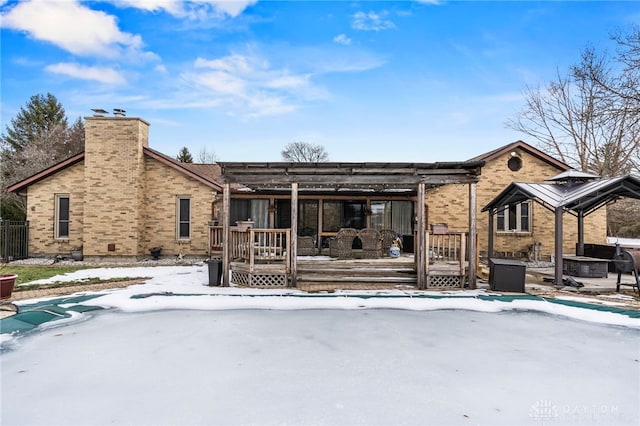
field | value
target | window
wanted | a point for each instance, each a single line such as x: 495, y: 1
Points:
x: 255, y: 209
x: 62, y: 216
x: 396, y: 215
x: 515, y: 218
x: 184, y: 218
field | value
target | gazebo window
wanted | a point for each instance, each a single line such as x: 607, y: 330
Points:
x: 515, y: 218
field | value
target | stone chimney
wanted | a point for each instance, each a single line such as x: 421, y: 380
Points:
x: 114, y: 185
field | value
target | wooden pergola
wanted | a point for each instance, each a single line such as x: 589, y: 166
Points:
x: 365, y: 178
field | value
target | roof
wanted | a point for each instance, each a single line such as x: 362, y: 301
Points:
x: 208, y: 174
x: 584, y: 198
x: 332, y: 176
x: 520, y: 145
x: 23, y: 184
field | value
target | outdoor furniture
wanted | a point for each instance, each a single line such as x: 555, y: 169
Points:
x: 387, y: 235
x: 340, y: 245
x: 371, y: 243
x: 307, y: 246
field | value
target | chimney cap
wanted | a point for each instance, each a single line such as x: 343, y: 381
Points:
x: 119, y: 112
x: 99, y: 112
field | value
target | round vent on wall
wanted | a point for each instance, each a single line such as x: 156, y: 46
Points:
x: 514, y: 164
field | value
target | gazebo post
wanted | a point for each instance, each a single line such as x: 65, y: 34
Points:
x: 580, y: 248
x: 294, y: 234
x: 490, y: 238
x: 558, y: 242
x: 226, y: 208
x: 473, y: 267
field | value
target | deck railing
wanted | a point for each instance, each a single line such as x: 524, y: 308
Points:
x: 251, y: 244
x: 215, y: 240
x: 446, y: 264
x: 449, y: 247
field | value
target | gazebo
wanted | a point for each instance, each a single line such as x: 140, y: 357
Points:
x: 573, y: 192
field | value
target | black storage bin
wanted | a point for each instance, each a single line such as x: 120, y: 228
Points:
x: 215, y: 272
x: 507, y: 275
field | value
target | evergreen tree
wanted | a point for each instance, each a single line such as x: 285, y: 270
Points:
x: 41, y: 115
x: 38, y: 137
x: 184, y: 156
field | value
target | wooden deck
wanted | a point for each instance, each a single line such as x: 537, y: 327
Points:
x: 319, y: 273
x: 261, y: 258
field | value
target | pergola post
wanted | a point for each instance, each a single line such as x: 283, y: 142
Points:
x: 226, y: 209
x: 580, y: 248
x: 294, y: 234
x: 558, y: 243
x: 421, y: 250
x: 472, y: 237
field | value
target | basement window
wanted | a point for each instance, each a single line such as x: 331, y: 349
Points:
x: 183, y: 207
x: 62, y: 217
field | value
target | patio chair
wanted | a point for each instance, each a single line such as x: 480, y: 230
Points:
x: 340, y: 245
x: 371, y: 243
x: 307, y: 246
x: 387, y: 235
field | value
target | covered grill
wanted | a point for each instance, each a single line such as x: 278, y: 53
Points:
x: 627, y: 261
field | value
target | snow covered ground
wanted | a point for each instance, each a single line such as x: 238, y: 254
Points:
x: 192, y: 354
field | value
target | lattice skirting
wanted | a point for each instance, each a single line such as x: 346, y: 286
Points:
x: 445, y: 281
x: 259, y: 280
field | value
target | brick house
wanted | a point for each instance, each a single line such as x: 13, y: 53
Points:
x: 518, y: 227
x: 119, y: 198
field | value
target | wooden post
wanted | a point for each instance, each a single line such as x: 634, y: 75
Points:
x: 294, y: 234
x: 558, y: 242
x: 420, y: 245
x: 473, y: 266
x: 226, y: 209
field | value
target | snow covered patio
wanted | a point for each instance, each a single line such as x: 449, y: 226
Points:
x: 174, y: 351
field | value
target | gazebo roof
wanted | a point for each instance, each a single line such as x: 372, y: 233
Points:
x: 361, y: 177
x: 586, y: 197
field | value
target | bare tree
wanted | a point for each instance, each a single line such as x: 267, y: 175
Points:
x: 207, y: 157
x: 304, y: 152
x: 575, y: 119
x: 590, y: 119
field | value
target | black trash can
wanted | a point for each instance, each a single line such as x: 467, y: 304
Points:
x: 507, y: 275
x: 215, y: 272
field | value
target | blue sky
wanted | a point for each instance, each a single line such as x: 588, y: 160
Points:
x: 369, y: 80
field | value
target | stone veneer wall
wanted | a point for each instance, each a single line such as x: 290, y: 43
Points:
x: 163, y: 185
x: 41, y: 199
x: 448, y: 204
x: 114, y: 182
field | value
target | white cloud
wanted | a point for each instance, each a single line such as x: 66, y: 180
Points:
x: 74, y: 28
x: 198, y: 9
x: 372, y: 21
x: 342, y: 39
x: 100, y: 74
x: 250, y: 85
